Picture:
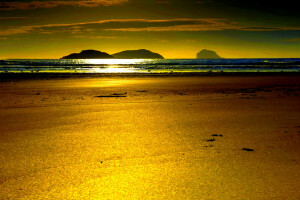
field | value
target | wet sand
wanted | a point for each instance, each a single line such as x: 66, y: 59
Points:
x: 150, y: 137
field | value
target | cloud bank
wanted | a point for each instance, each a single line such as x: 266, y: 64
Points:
x: 138, y: 25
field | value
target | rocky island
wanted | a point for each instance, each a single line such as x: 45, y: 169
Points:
x: 89, y: 54
x: 207, y: 54
x: 128, y: 54
x: 137, y: 54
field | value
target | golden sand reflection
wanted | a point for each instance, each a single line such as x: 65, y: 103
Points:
x: 67, y: 143
x: 104, y: 83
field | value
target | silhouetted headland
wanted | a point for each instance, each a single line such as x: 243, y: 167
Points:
x: 207, y: 54
x: 88, y: 54
x: 137, y: 54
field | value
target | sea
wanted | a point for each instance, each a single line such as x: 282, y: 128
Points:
x: 149, y: 65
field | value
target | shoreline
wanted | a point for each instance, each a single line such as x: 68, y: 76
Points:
x: 11, y: 76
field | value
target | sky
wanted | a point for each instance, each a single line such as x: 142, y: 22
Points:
x: 173, y: 28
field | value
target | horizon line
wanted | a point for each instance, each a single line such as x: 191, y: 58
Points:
x: 152, y: 58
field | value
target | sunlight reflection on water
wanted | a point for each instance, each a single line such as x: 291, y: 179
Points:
x: 112, y: 61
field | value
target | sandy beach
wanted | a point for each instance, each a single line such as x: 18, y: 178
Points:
x: 150, y: 137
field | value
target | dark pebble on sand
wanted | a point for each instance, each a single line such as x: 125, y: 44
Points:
x: 216, y: 135
x: 119, y: 94
x: 211, y: 140
x: 111, y: 96
x: 247, y: 149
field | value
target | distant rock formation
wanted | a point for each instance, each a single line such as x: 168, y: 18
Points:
x: 137, y: 54
x: 88, y: 54
x: 207, y: 54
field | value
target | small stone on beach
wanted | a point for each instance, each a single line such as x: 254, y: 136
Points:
x: 247, y: 149
x: 216, y: 135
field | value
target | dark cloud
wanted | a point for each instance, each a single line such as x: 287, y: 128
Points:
x: 5, y: 18
x: 280, y: 8
x: 27, y: 5
x: 292, y: 40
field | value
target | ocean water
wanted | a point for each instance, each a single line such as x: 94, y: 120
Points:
x: 148, y: 65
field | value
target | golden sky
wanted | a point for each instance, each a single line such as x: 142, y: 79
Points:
x: 173, y: 28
